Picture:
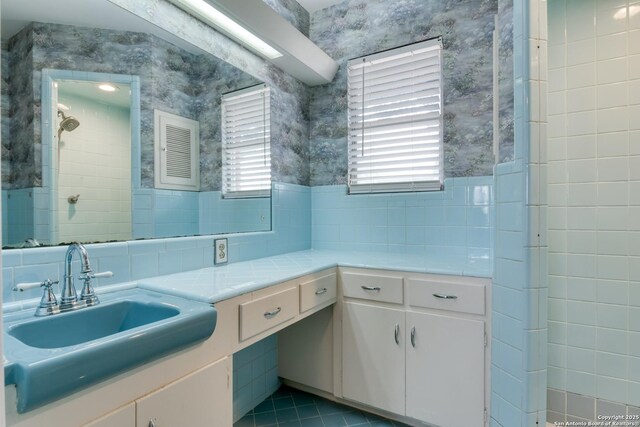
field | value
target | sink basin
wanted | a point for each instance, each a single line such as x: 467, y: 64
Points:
x: 87, y: 325
x: 51, y: 357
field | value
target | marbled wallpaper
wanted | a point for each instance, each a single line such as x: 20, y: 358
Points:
x: 171, y: 78
x: 355, y: 28
x: 506, y: 102
x: 4, y: 112
x: 289, y: 97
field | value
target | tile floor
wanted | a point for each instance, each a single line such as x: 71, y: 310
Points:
x: 289, y: 407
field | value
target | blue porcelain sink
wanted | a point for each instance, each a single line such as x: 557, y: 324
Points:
x: 52, y: 357
x: 88, y: 325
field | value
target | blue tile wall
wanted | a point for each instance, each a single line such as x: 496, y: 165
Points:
x: 138, y: 259
x: 255, y: 375
x: 519, y: 300
x: 457, y: 220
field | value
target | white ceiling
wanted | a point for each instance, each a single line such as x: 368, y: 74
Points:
x: 120, y: 98
x: 313, y: 5
x: 83, y: 13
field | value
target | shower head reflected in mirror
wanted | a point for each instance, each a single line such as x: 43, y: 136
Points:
x: 68, y: 123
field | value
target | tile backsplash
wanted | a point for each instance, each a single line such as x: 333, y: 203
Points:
x: 457, y: 221
x: 138, y: 259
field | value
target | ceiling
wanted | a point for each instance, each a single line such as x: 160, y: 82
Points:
x: 313, y: 5
x: 120, y: 98
x: 82, y: 13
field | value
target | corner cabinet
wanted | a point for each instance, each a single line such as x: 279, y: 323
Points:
x: 415, y: 345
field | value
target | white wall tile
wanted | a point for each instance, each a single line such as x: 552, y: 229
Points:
x: 610, y: 21
x: 582, y: 99
x: 612, y: 95
x: 634, y: 67
x: 581, y: 123
x: 581, y: 75
x: 611, y: 46
x: 613, y: 169
x: 613, y: 120
x: 580, y: 22
x: 634, y: 42
x: 581, y: 52
x: 613, y: 70
x: 613, y: 144
x: 581, y: 147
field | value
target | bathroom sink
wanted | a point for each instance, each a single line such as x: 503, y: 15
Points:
x: 51, y: 357
x: 89, y: 324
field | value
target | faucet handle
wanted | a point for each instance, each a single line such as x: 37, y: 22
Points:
x: 21, y: 287
x: 48, y: 302
x: 88, y: 294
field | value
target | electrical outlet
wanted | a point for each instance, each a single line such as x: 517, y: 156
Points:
x: 221, y: 251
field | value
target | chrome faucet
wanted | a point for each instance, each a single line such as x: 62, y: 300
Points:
x: 69, y: 298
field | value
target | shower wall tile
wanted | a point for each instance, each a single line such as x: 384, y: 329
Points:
x: 591, y: 176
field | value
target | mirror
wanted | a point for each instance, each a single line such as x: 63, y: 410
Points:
x: 77, y: 160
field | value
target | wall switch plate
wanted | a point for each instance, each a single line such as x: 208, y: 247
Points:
x: 221, y: 249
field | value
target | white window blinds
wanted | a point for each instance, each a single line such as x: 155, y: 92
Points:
x: 246, y: 143
x: 395, y: 120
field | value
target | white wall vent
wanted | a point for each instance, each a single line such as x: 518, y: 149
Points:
x: 177, y: 152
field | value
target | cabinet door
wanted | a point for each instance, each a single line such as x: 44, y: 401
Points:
x: 445, y: 370
x: 123, y: 417
x: 202, y: 398
x: 373, y: 356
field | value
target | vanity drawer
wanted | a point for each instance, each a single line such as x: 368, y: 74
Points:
x: 317, y: 291
x: 265, y: 313
x: 374, y: 287
x: 462, y: 296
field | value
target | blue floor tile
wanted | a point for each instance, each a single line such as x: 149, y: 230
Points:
x: 293, y: 408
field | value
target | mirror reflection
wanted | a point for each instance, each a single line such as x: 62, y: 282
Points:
x: 84, y: 155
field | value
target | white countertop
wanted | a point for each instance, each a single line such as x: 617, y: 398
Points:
x: 219, y: 283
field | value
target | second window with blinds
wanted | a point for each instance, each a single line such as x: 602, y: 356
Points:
x: 246, y: 143
x: 395, y: 120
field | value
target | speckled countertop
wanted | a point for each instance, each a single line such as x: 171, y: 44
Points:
x: 219, y: 283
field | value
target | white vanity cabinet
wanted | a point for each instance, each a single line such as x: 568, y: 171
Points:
x: 202, y: 398
x: 415, y: 345
x: 199, y: 399
x: 373, y: 356
x: 445, y: 370
x: 123, y: 417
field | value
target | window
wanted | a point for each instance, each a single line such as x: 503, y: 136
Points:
x: 395, y: 120
x: 246, y: 143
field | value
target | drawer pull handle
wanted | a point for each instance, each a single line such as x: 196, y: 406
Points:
x: 371, y: 288
x: 321, y: 291
x: 152, y: 422
x: 272, y: 314
x: 443, y: 296
x: 396, y: 334
x: 413, y: 336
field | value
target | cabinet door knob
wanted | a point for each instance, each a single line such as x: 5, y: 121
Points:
x: 413, y: 336
x: 396, y: 334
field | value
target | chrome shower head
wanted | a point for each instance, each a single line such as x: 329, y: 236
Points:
x: 69, y: 123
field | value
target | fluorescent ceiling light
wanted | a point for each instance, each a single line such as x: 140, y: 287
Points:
x: 107, y: 87
x: 213, y: 16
